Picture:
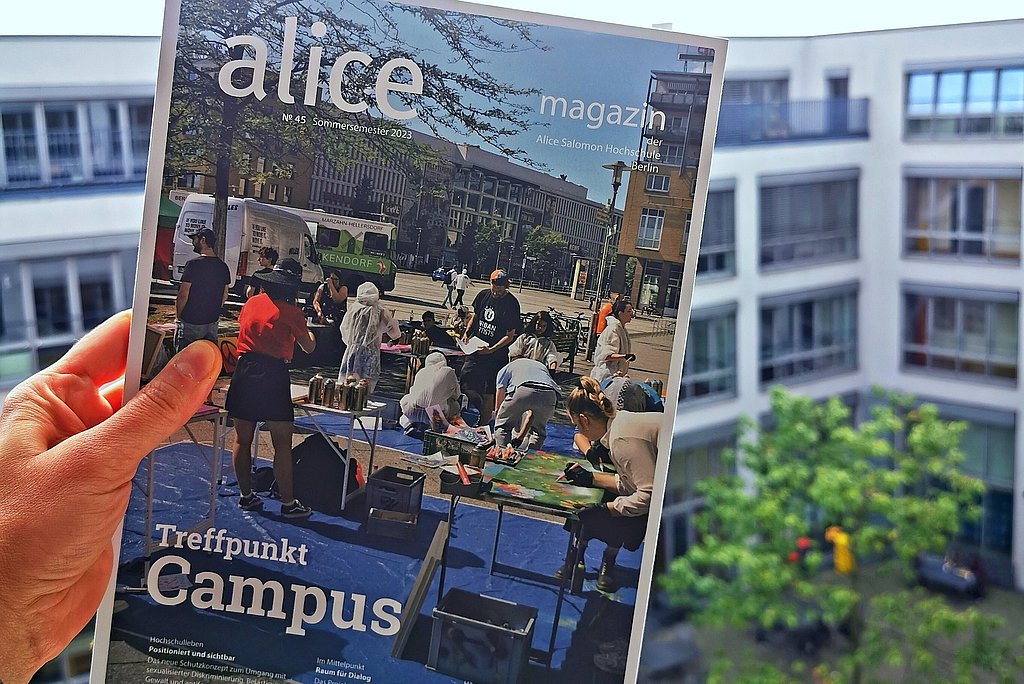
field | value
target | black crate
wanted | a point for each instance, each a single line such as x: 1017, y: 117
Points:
x: 480, y: 638
x: 393, y: 489
x: 391, y: 524
x: 451, y: 446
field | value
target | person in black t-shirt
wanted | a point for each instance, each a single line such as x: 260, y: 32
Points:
x: 202, y: 293
x: 495, y: 320
x: 267, y: 259
x: 437, y: 335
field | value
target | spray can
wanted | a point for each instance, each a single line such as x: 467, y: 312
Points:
x: 362, y: 389
x: 343, y: 399
x: 329, y: 391
x: 314, y: 389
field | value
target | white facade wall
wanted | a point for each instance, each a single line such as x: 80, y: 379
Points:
x: 877, y: 64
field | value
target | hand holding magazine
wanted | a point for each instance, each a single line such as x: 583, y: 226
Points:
x: 384, y: 143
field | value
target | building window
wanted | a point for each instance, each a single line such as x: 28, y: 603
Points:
x: 13, y: 326
x: 50, y: 295
x: 804, y: 337
x: 718, y: 237
x: 96, y: 288
x: 105, y: 139
x: 985, y: 102
x: 972, y: 334
x: 709, y: 368
x: 657, y: 183
x: 696, y: 457
x: 808, y: 222
x: 74, y: 142
x: 140, y: 116
x: 671, y: 155
x: 20, y: 150
x: 62, y: 142
x: 649, y: 234
x: 964, y: 217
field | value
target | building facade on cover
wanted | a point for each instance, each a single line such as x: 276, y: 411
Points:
x: 659, y: 194
x: 864, y: 228
x: 75, y: 123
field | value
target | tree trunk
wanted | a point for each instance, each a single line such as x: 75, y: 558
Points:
x: 222, y: 177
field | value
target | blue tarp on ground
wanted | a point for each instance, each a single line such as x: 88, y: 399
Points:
x: 342, y: 556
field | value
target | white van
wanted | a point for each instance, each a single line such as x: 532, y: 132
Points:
x: 250, y: 226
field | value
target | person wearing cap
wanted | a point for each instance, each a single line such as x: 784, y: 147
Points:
x: 269, y: 327
x: 202, y: 293
x: 462, y: 283
x: 495, y: 319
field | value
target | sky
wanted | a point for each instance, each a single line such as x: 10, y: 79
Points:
x: 715, y: 18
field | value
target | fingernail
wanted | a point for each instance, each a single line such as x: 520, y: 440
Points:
x: 194, y: 361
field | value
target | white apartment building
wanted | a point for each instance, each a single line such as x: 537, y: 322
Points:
x: 864, y: 228
x: 75, y: 120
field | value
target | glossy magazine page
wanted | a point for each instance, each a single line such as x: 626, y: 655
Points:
x: 447, y: 252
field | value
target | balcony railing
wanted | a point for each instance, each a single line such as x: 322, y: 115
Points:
x: 776, y: 122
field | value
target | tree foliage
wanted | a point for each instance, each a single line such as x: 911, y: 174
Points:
x: 893, y: 483
x: 545, y: 246
x: 210, y: 132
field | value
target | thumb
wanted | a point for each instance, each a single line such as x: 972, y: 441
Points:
x: 155, y: 412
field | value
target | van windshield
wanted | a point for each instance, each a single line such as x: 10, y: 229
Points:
x: 327, y: 237
x: 375, y: 243
x: 311, y: 253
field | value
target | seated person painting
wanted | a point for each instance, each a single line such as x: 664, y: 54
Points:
x: 437, y: 335
x: 627, y: 395
x: 435, y: 385
x: 535, y: 342
x: 526, y: 397
x: 632, y: 443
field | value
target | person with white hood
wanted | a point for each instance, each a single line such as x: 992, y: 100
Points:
x: 435, y: 385
x: 612, y: 355
x: 364, y: 325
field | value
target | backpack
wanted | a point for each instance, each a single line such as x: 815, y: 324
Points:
x: 319, y: 474
x: 632, y: 395
x: 449, y: 278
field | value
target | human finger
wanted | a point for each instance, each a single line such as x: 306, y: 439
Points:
x: 100, y: 355
x: 113, y: 393
x: 156, y: 411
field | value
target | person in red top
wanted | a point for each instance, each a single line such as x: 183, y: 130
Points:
x: 605, y: 311
x: 270, y: 325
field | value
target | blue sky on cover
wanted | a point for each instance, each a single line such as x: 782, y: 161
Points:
x: 592, y: 67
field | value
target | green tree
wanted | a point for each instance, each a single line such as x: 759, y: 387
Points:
x: 546, y: 248
x: 210, y: 132
x: 894, y: 485
x: 488, y: 247
x: 631, y: 264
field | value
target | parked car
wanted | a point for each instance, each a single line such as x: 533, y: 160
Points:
x: 943, y: 573
x: 438, y: 274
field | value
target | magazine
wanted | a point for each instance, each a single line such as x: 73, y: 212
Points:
x: 330, y: 175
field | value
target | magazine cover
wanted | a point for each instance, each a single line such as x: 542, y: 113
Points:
x: 447, y: 252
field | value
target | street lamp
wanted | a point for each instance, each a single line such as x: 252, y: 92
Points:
x: 617, y: 168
